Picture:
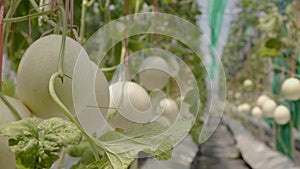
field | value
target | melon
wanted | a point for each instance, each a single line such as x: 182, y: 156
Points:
x: 291, y: 89
x: 131, y: 103
x: 244, y: 108
x: 282, y: 115
x: 154, y: 73
x: 261, y: 100
x: 170, y: 109
x: 39, y: 62
x: 268, y: 108
x: 248, y: 84
x: 237, y: 95
x: 257, y: 113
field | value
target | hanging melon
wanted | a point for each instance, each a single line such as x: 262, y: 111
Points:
x: 282, y: 115
x: 268, y: 108
x: 291, y: 89
x: 257, y: 113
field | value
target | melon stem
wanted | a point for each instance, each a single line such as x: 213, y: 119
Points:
x: 69, y: 114
x: 26, y: 17
x: 62, y: 16
x: 37, y: 8
x: 82, y: 20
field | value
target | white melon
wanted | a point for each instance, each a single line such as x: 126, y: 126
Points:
x: 268, y: 108
x: 257, y: 113
x: 154, y: 73
x: 282, y: 115
x: 291, y: 89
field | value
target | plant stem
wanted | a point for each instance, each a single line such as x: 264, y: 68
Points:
x: 293, y: 65
x: 11, y: 107
x: 137, y: 6
x: 123, y: 54
x: 60, y: 74
x: 36, y: 7
x: 109, y: 68
x: 63, y: 42
x: 67, y: 8
x: 90, y: 3
x: 284, y: 70
x: 10, y: 13
x: 82, y: 20
x: 85, y: 4
x: 75, y: 33
x: 25, y: 18
x: 69, y: 114
x: 71, y: 16
x: 1, y: 40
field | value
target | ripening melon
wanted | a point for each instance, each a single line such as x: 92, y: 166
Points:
x: 261, y: 100
x: 257, y: 113
x: 244, y: 108
x: 131, y: 102
x: 268, y: 108
x: 237, y: 95
x: 291, y: 89
x: 154, y: 73
x: 170, y: 109
x: 282, y: 115
x: 248, y: 84
x: 39, y: 62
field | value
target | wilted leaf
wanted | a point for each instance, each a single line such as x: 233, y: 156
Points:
x: 37, y: 144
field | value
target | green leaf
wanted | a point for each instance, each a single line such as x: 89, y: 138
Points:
x: 193, y: 101
x: 112, y: 161
x: 273, y: 43
x: 122, y: 147
x: 84, y: 151
x: 78, y: 150
x: 8, y: 87
x: 268, y: 52
x: 37, y: 144
x: 196, y: 130
x: 167, y: 1
x: 87, y: 161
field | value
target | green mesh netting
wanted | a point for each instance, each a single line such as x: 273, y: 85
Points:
x: 283, y: 139
x: 216, y: 10
x: 283, y: 132
x: 295, y: 111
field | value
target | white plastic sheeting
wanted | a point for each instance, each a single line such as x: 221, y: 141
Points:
x: 257, y: 154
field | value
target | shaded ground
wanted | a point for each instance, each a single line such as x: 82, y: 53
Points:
x: 219, y: 152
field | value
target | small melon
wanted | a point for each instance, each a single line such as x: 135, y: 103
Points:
x: 154, y: 73
x: 248, y: 84
x: 268, y: 108
x: 257, y: 113
x: 282, y: 115
x: 291, y: 89
x: 170, y: 109
x: 261, y: 100
x: 131, y: 102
